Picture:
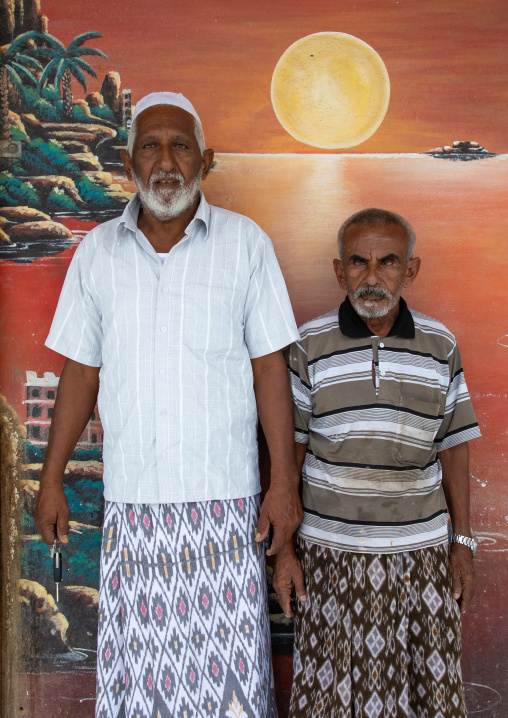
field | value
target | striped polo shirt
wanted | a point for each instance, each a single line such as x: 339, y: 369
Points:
x: 375, y: 412
x: 174, y: 342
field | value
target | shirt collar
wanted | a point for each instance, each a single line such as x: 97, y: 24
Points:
x: 129, y: 217
x: 352, y: 325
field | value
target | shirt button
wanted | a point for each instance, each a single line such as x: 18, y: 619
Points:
x: 165, y: 290
x: 162, y: 371
x: 163, y: 412
x: 383, y: 372
x: 164, y: 329
x: 382, y: 345
x: 163, y: 454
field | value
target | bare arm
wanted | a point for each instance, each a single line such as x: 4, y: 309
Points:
x: 288, y: 574
x: 77, y: 394
x: 281, y: 506
x: 455, y: 466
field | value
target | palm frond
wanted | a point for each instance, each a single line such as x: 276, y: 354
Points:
x: 62, y: 66
x: 88, y: 51
x: 45, y: 52
x: 15, y: 78
x: 84, y: 66
x: 84, y: 37
x: 24, y: 71
x: 54, y: 42
x: 78, y: 75
x: 50, y: 67
x: 26, y: 60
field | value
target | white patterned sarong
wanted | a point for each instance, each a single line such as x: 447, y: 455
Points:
x: 183, y: 620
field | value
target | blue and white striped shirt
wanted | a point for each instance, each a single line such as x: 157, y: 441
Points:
x: 174, y: 342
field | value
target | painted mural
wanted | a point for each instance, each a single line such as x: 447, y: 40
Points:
x: 315, y: 110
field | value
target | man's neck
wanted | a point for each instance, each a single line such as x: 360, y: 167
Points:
x: 164, y: 235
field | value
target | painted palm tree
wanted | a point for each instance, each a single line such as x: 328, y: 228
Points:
x: 16, y: 66
x: 65, y: 63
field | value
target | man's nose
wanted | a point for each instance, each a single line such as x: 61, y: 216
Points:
x: 166, y: 158
x: 372, y: 277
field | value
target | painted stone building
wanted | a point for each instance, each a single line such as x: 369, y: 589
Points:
x: 40, y: 400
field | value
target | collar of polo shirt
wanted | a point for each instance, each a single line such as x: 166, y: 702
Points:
x: 352, y: 325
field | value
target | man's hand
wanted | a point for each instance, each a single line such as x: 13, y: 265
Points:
x: 283, y: 510
x: 51, y: 513
x: 463, y: 575
x: 288, y: 575
x: 77, y: 394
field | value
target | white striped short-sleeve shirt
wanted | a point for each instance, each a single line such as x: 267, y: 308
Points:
x: 174, y: 341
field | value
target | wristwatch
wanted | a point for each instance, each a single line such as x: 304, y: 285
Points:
x: 470, y: 541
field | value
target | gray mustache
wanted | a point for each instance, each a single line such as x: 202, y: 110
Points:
x: 166, y: 176
x: 376, y: 291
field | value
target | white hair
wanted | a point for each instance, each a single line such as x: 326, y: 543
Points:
x: 198, y: 133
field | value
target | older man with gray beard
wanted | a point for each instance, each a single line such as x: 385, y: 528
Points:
x: 175, y: 314
x: 382, y: 419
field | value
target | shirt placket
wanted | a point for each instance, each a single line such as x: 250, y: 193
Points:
x: 379, y: 364
x: 167, y: 346
x: 375, y: 364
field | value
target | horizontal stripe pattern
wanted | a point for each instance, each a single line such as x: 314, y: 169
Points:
x: 174, y: 341
x: 374, y: 413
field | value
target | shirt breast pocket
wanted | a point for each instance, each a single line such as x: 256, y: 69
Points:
x: 212, y: 317
x: 417, y: 424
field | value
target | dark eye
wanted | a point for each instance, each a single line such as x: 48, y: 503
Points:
x: 148, y: 145
x: 181, y: 145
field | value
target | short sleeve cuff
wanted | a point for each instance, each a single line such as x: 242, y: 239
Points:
x: 261, y: 349
x: 74, y: 353
x: 459, y: 437
x: 301, y: 437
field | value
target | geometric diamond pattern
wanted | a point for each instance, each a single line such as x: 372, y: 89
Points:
x: 377, y: 574
x: 374, y: 706
x: 375, y: 642
x: 183, y: 628
x: 330, y: 611
x: 415, y: 628
x: 437, y: 665
x: 325, y: 675
x: 432, y: 598
x: 395, y: 632
x: 358, y: 607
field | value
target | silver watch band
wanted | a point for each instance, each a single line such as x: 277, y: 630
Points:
x: 470, y: 541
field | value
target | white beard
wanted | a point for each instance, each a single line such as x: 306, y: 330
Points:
x: 372, y: 310
x: 166, y: 204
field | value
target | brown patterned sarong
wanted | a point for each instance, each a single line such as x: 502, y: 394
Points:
x: 379, y: 636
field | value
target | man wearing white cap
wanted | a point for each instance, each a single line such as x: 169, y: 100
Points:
x: 175, y: 314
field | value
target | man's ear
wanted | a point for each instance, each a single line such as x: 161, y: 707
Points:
x: 127, y: 163
x: 339, y: 273
x: 413, y: 267
x: 207, y: 163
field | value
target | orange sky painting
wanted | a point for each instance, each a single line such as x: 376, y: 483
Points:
x: 447, y: 62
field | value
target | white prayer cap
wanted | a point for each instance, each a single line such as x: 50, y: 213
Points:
x: 165, y: 98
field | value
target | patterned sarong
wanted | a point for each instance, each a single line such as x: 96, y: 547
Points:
x: 183, y: 620
x: 379, y: 636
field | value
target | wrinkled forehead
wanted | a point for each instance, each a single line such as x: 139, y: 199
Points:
x: 374, y: 237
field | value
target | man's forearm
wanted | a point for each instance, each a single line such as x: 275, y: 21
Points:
x: 281, y: 507
x: 275, y: 412
x: 77, y: 394
x: 455, y: 467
